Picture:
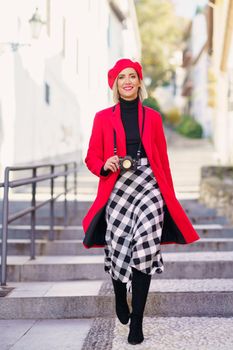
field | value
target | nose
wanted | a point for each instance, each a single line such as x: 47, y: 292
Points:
x: 127, y: 79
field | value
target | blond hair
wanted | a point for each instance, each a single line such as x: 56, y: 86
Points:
x: 142, y: 93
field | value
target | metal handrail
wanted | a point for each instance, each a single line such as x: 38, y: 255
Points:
x: 69, y: 168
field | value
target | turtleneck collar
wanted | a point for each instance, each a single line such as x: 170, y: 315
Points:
x: 129, y: 104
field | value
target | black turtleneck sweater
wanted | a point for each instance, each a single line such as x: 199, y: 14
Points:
x: 129, y: 117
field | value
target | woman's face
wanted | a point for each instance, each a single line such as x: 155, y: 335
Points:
x: 128, y: 84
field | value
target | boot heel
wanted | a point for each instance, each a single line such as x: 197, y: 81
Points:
x: 135, y: 330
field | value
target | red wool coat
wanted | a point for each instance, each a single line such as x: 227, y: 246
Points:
x: 176, y: 228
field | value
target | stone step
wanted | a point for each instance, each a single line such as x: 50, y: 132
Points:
x: 214, y: 231
x: 74, y: 210
x: 202, y: 219
x: 75, y: 247
x: 85, y: 299
x: 76, y: 232
x: 204, y: 244
x: 193, y: 205
x: 17, y: 204
x: 43, y: 220
x: 190, y: 206
x: 77, y: 221
x: 196, y: 212
x: 192, y: 265
x: 42, y: 232
x: 75, y: 218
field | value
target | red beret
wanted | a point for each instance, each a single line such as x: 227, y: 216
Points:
x: 119, y: 66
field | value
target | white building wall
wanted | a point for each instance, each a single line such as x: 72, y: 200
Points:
x: 200, y: 95
x: 223, y: 116
x: 199, y: 109
x: 230, y: 107
x: 84, y: 39
x: 131, y: 35
x: 115, y: 39
x: 7, y: 109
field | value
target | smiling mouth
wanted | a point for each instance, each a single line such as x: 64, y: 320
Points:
x: 128, y: 88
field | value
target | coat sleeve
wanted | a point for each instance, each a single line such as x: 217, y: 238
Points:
x: 94, y: 158
x: 162, y: 147
x: 104, y: 172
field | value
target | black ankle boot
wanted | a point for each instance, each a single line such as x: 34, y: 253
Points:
x: 140, y: 289
x: 122, y: 308
x: 135, y: 330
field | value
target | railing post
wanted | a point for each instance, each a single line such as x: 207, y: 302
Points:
x: 75, y: 188
x: 51, y: 231
x: 65, y: 197
x: 5, y: 211
x: 33, y: 216
x: 75, y: 181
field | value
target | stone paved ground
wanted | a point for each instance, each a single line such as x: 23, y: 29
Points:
x: 171, y: 333
x: 161, y: 333
x: 186, y: 157
x: 43, y: 334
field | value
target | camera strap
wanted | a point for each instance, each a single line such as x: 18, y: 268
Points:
x: 140, y: 144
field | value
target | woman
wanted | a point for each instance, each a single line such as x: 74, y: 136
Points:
x: 136, y: 209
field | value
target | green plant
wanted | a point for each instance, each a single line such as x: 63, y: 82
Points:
x: 190, y: 127
x: 153, y: 103
x: 173, y: 116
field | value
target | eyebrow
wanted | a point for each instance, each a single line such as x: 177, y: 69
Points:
x: 122, y: 75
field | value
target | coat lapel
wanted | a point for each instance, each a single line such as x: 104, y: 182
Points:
x: 120, y: 132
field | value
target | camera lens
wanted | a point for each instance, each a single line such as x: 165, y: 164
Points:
x: 126, y: 164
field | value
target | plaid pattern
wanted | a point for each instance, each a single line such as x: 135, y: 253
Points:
x: 134, y: 215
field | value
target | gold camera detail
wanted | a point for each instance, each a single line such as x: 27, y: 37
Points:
x: 128, y: 163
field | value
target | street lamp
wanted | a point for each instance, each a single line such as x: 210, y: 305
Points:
x: 36, y: 24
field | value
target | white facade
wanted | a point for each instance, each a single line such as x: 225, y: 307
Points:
x: 223, y: 112
x: 50, y: 91
x: 200, y: 110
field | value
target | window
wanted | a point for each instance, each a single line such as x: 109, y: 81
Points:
x: 47, y: 93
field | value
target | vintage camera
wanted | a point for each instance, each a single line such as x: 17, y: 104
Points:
x: 128, y: 163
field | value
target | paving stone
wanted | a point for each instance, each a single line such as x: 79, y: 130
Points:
x: 100, y: 335
x: 13, y: 330
x: 44, y: 334
x: 193, y: 333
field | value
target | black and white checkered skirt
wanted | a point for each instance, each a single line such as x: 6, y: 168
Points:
x: 134, y: 215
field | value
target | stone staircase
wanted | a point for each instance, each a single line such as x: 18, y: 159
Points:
x: 68, y: 281
x: 64, y: 300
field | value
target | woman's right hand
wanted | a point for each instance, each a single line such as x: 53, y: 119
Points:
x: 112, y: 164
